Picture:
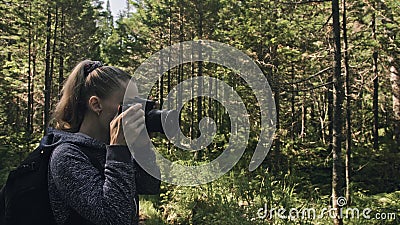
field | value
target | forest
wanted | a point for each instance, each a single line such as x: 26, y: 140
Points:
x: 332, y: 67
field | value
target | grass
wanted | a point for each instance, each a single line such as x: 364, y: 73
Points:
x: 298, y: 179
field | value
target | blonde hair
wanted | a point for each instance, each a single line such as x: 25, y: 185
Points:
x: 79, y: 87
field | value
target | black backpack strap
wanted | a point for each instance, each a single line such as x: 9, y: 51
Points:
x: 2, y: 206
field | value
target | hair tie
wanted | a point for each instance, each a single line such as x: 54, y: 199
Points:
x: 88, y: 68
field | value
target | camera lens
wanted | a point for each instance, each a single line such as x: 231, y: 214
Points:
x: 155, y: 118
x: 154, y: 122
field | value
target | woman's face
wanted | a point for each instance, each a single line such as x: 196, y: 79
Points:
x: 110, y: 111
x: 111, y: 103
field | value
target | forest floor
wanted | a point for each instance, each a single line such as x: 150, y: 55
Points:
x: 301, y: 180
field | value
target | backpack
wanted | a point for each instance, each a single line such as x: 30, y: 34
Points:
x: 24, y: 199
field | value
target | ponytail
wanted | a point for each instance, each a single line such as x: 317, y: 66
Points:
x: 100, y: 81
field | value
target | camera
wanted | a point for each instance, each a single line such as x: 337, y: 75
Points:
x: 154, y: 117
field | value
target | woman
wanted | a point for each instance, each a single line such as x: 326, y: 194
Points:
x: 89, y: 133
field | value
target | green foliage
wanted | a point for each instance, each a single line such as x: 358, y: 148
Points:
x: 22, y: 58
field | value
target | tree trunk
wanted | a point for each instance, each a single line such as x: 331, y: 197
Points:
x: 395, y: 80
x: 200, y: 74
x: 303, y: 119
x: 376, y: 86
x: 192, y: 106
x: 277, y: 95
x: 292, y: 103
x: 53, y: 54
x: 169, y: 53
x: 216, y: 104
x: 47, y: 87
x: 34, y: 52
x: 180, y: 67
x: 128, y: 9
x: 329, y: 97
x: 322, y: 115
x: 61, y: 66
x: 169, y: 60
x: 348, y: 106
x: 337, y: 168
x: 161, y: 85
x: 30, y: 99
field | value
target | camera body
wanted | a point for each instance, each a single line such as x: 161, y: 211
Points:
x: 154, y: 117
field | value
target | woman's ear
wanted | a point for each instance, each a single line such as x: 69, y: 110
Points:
x: 95, y: 105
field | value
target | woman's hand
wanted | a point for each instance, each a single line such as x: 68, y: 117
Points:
x: 134, y: 123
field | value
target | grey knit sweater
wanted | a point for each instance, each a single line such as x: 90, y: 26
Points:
x: 76, y: 186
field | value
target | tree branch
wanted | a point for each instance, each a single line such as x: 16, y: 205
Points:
x: 305, y: 2
x: 327, y: 21
x: 310, y: 89
x: 310, y: 77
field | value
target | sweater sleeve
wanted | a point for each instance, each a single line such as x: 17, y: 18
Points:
x: 109, y: 201
x: 146, y: 184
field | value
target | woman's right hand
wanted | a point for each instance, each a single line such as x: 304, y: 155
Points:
x: 134, y: 123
